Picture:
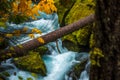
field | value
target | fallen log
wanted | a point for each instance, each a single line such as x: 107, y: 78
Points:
x: 17, y: 51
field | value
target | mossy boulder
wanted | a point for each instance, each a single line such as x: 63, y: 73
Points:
x: 32, y: 62
x: 79, y: 10
x: 41, y: 50
x: 63, y: 7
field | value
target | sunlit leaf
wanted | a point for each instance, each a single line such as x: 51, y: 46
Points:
x: 31, y: 35
x: 35, y: 30
x: 41, y: 40
x: 9, y: 35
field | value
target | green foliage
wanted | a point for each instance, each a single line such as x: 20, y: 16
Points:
x: 17, y: 19
x: 95, y: 56
x: 29, y: 78
x: 92, y: 41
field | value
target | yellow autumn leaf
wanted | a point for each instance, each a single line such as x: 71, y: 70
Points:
x: 9, y: 35
x: 15, y: 8
x: 41, y: 40
x: 31, y: 35
x: 47, y: 6
x: 17, y: 32
x: 35, y: 30
x: 22, y: 6
x: 35, y: 10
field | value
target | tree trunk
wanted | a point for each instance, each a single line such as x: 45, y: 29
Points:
x: 107, y: 38
x: 17, y: 51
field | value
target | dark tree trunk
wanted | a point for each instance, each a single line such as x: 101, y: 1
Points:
x: 17, y: 51
x: 107, y: 38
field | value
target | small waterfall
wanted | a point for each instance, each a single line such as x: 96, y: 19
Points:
x: 85, y: 74
x: 58, y: 62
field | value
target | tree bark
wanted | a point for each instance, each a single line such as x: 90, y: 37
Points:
x: 107, y: 38
x: 17, y: 51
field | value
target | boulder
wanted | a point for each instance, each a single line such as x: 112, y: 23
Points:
x: 32, y: 62
x: 80, y: 9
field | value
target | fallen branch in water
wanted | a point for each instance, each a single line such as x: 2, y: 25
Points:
x: 17, y: 51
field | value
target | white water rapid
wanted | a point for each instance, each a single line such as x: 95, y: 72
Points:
x: 57, y: 64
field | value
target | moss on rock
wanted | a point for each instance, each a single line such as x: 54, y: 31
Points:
x: 32, y: 63
x: 83, y: 35
x: 62, y: 7
x: 80, y: 9
x: 76, y: 70
x: 41, y: 50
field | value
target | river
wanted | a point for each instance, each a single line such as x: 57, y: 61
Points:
x: 57, y: 63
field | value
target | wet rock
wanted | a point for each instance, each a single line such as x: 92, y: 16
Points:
x: 42, y: 50
x: 83, y: 56
x: 80, y: 9
x: 5, y: 67
x: 63, y: 8
x: 32, y: 63
x: 71, y: 46
x: 76, y: 70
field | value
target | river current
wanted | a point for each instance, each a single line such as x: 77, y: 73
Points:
x: 57, y: 63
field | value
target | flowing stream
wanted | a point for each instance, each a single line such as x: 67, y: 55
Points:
x: 57, y: 63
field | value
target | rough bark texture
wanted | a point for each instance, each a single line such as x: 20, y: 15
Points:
x: 107, y: 37
x: 30, y: 45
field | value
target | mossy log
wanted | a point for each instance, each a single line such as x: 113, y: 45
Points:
x: 17, y: 51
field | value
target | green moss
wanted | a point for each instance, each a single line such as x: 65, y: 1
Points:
x: 20, y: 77
x: 62, y: 7
x: 77, y: 69
x: 41, y: 50
x: 95, y: 56
x: 6, y: 74
x: 34, y: 75
x: 92, y: 41
x: 83, y: 35
x: 29, y: 79
x: 80, y: 9
x: 70, y: 38
x: 32, y: 63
